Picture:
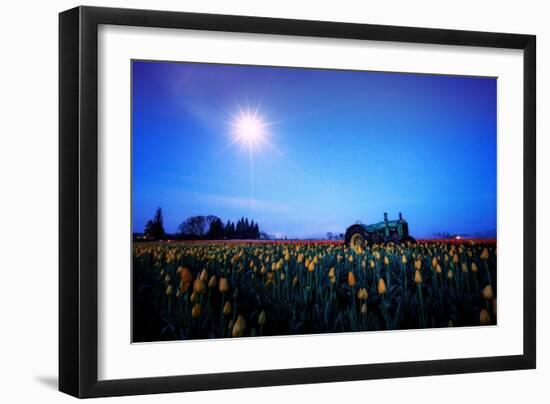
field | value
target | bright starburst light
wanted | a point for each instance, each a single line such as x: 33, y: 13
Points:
x: 250, y: 129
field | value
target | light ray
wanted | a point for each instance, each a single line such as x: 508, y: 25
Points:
x: 249, y: 127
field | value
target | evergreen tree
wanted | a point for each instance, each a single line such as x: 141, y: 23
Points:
x: 154, y: 229
x: 246, y: 229
x: 216, y: 230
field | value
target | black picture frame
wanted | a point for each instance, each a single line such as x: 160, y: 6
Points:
x: 78, y: 200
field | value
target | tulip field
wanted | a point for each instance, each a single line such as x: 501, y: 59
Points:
x: 226, y: 289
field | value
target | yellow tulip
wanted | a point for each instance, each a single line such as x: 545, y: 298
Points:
x: 488, y: 292
x: 223, y: 286
x: 484, y: 317
x: 196, y: 310
x: 362, y: 294
x: 484, y: 254
x: 474, y: 267
x: 381, y: 286
x: 227, y: 308
x: 351, y: 279
x: 311, y: 267
x: 262, y: 318
x: 331, y: 272
x: 239, y: 327
x: 418, y: 265
x: 199, y: 286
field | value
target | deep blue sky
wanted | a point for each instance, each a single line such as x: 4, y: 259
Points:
x: 351, y: 145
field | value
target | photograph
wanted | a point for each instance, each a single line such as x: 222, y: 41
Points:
x: 274, y: 201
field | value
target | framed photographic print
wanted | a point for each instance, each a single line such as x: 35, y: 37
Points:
x: 251, y: 201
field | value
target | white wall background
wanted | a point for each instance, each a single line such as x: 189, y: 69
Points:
x: 28, y: 197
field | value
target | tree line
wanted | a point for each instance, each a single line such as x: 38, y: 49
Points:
x: 203, y: 228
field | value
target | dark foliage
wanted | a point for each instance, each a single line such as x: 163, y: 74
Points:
x: 154, y: 228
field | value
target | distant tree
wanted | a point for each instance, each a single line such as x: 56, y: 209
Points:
x: 239, y: 230
x: 209, y: 220
x: 229, y: 230
x: 256, y: 231
x: 216, y: 230
x: 154, y: 228
x: 246, y: 231
x: 330, y: 236
x: 194, y: 226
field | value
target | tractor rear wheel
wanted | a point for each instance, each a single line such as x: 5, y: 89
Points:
x: 357, y: 238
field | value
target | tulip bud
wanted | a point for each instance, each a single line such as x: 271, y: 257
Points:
x: 212, y: 282
x: 417, y: 278
x: 488, y: 292
x: 223, y: 286
x: 381, y: 286
x: 204, y: 275
x: 364, y: 308
x: 199, y: 286
x: 351, y: 279
x: 262, y: 318
x: 484, y: 254
x: 484, y: 317
x: 404, y: 259
x: 227, y: 308
x: 418, y: 265
x: 362, y: 294
x: 196, y: 310
x: 194, y: 297
x: 474, y: 267
x: 169, y: 290
x: 239, y: 327
x: 331, y: 272
x: 311, y: 266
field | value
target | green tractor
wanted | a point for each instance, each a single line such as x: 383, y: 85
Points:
x: 397, y: 231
